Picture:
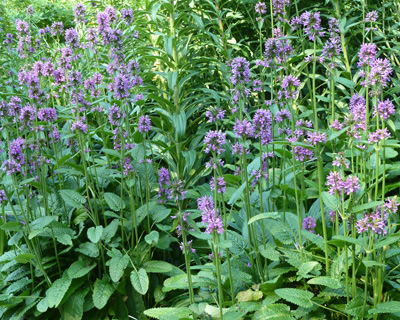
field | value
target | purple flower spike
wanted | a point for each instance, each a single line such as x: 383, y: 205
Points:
x: 309, y: 224
x: 144, y: 124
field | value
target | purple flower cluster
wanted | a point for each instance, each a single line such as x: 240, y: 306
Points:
x: 260, y: 8
x: 311, y: 22
x: 262, y: 123
x: 391, y: 204
x: 214, y: 140
x: 221, y: 184
x: 378, y: 135
x: 80, y: 13
x: 384, y: 109
x: 163, y: 182
x: 278, y: 7
x: 144, y: 124
x: 276, y: 49
x: 214, y: 114
x: 3, y: 197
x: 316, y: 137
x: 337, y: 183
x: 72, y: 38
x: 16, y: 156
x: 309, y: 224
x: 244, y: 129
x: 289, y: 88
x: 240, y: 69
x: 372, y: 222
x: 127, y: 16
x: 367, y: 54
x: 209, y: 216
x: 57, y: 28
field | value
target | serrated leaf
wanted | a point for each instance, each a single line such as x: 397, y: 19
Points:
x: 73, y: 307
x: 157, y: 266
x: 73, y: 198
x: 365, y: 206
x: 102, y: 291
x: 117, y: 267
x: 355, y: 307
x: 79, y: 269
x: 24, y: 258
x: 89, y: 249
x: 140, y: 281
x: 57, y: 291
x: 236, y: 195
x: 386, y: 307
x: 297, y: 296
x: 265, y: 215
x: 176, y: 312
x: 326, y: 281
x: 110, y: 230
x: 114, y: 201
x: 152, y: 238
x: 330, y: 201
x: 94, y: 234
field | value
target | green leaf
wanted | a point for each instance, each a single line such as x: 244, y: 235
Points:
x: 355, y: 307
x: 346, y: 82
x: 38, y: 226
x: 274, y: 312
x: 73, y: 198
x: 73, y: 307
x: 366, y: 206
x: 386, y: 307
x: 173, y: 312
x: 110, y: 230
x: 89, y: 249
x: 117, y: 267
x: 57, y: 291
x: 114, y: 201
x: 79, y: 269
x: 102, y: 291
x: 94, y: 234
x: 297, y: 296
x: 265, y: 215
x: 388, y: 241
x: 348, y: 239
x: 24, y: 257
x: 12, y: 226
x: 140, y: 281
x: 152, y: 238
x: 330, y: 201
x: 326, y: 281
x: 236, y: 195
x: 157, y: 266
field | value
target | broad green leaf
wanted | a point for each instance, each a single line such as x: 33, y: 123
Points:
x: 157, y: 266
x: 24, y: 257
x: 265, y: 215
x: 57, y: 291
x: 326, y: 281
x: 386, y: 307
x: 89, y: 249
x: 12, y: 226
x: 176, y: 312
x: 236, y: 195
x: 117, y: 267
x: 114, y: 201
x: 365, y: 206
x: 355, y: 307
x: 102, y: 291
x: 94, y: 234
x: 140, y: 281
x: 152, y: 238
x: 297, y: 296
x: 330, y: 201
x: 73, y: 307
x: 79, y: 269
x: 274, y: 312
x: 73, y: 198
x: 110, y: 230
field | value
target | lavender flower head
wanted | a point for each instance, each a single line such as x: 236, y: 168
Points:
x: 384, y: 109
x: 29, y: 10
x: 290, y: 87
x: 309, y: 224
x: 243, y: 129
x: 367, y: 54
x: 57, y: 28
x: 260, y: 8
x: 127, y: 16
x: 279, y: 7
x: 336, y: 183
x: 72, y: 38
x: 80, y: 13
x: 221, y: 184
x: 214, y: 114
x: 209, y: 216
x: 144, y: 124
x: 311, y: 21
x: 372, y: 222
x: 371, y: 16
x: 240, y: 71
x: 214, y: 140
x: 163, y: 182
